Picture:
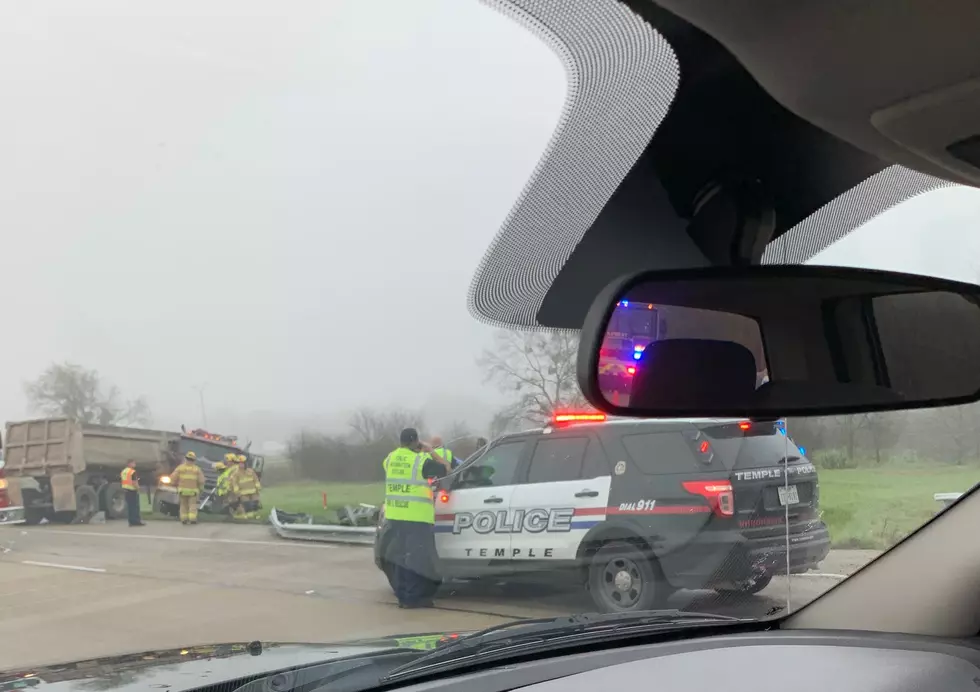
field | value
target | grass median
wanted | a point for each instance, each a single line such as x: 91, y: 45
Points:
x: 877, y: 507
x: 863, y: 508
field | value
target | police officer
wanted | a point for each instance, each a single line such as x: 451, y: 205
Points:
x: 190, y: 482
x: 410, y: 513
x: 131, y: 485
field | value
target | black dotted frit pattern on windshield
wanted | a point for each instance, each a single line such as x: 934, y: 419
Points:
x: 622, y: 76
x: 837, y: 218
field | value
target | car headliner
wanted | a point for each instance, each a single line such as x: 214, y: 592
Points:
x: 608, y: 197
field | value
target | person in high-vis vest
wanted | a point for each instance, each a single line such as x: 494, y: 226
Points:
x: 130, y: 482
x: 445, y: 454
x: 246, y: 486
x: 222, y: 488
x: 189, y: 481
x: 410, y: 513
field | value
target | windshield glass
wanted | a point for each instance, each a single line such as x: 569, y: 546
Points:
x: 264, y: 220
x: 206, y: 450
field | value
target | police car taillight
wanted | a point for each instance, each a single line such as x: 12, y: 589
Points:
x: 718, y: 494
x: 443, y: 496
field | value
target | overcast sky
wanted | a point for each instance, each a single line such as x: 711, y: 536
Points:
x: 286, y: 202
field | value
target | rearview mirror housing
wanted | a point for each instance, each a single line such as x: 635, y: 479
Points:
x: 779, y: 340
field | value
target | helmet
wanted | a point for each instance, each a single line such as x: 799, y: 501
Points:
x: 191, y: 456
x: 230, y: 456
x: 240, y: 459
x: 220, y: 466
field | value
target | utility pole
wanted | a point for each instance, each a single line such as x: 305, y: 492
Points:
x: 200, y: 393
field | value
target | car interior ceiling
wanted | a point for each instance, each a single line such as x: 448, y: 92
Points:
x: 836, y: 73
x: 722, y: 177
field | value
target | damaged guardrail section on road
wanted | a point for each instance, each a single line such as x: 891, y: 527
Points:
x: 300, y: 527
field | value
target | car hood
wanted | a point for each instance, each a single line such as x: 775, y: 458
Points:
x: 176, y: 670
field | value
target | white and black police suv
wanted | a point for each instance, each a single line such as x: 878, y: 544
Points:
x: 634, y: 509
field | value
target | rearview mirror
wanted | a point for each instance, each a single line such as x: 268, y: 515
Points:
x: 774, y: 341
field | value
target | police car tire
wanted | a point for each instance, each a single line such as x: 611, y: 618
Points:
x: 652, y: 591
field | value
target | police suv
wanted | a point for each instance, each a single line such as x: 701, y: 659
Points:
x: 634, y: 509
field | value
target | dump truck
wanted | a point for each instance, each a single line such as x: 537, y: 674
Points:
x: 62, y: 470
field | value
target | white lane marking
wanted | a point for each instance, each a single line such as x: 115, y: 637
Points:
x: 821, y: 574
x: 193, y: 539
x: 77, y: 568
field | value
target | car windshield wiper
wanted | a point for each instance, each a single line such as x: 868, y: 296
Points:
x: 523, y: 636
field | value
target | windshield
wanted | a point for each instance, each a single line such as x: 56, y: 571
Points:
x: 206, y: 450
x: 264, y: 220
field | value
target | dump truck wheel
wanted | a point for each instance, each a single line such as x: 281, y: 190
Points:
x: 86, y: 502
x: 114, y: 501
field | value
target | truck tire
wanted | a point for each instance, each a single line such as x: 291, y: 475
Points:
x: 86, y: 502
x: 114, y: 501
x: 621, y: 579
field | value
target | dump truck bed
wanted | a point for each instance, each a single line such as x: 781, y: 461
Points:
x: 60, y: 445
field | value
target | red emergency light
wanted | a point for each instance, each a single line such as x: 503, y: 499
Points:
x: 566, y: 418
x: 744, y: 425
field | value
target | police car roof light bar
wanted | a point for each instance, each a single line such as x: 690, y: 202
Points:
x: 593, y: 417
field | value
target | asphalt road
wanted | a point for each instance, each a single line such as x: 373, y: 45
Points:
x: 70, y: 592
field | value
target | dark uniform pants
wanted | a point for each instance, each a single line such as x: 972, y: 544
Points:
x: 133, y: 507
x: 411, y: 561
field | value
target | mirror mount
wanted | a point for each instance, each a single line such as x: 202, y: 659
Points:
x: 733, y: 222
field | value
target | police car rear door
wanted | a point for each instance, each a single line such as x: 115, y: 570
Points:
x: 562, y: 495
x: 471, y: 519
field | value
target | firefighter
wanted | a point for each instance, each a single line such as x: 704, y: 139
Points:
x: 245, y: 484
x: 410, y: 515
x: 131, y: 485
x: 222, y: 489
x: 189, y: 480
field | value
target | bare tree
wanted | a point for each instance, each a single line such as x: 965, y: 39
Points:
x: 538, y: 369
x: 69, y: 390
x: 372, y: 426
x: 884, y: 430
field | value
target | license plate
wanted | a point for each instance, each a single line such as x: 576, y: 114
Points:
x: 788, y: 495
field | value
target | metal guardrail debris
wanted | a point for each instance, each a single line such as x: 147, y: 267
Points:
x: 947, y: 498
x: 300, y: 527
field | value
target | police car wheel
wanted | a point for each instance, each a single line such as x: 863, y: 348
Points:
x: 621, y: 579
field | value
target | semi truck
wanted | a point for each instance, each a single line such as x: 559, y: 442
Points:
x: 62, y: 470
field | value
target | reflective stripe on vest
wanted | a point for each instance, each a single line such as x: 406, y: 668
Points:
x: 128, y: 477
x: 408, y: 495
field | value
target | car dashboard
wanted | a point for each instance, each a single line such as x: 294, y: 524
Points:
x: 770, y: 661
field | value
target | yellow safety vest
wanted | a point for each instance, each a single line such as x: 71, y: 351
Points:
x: 447, y: 455
x: 128, y: 477
x: 408, y: 495
x: 190, y: 479
x: 224, y: 481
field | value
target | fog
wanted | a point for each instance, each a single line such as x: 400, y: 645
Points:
x: 286, y: 208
